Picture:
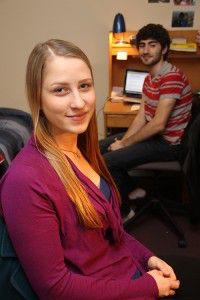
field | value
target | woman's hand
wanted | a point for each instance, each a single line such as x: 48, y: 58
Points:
x: 155, y: 263
x: 166, y: 285
x: 164, y: 276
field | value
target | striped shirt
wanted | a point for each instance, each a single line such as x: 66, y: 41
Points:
x: 169, y: 83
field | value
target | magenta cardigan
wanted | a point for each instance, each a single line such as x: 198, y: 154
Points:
x: 61, y: 258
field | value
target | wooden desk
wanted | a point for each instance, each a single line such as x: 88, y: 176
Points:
x: 118, y: 115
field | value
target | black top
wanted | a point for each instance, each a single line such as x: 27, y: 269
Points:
x: 104, y: 188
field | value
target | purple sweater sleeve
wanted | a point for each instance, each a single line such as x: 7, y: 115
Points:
x: 138, y: 250
x: 34, y: 229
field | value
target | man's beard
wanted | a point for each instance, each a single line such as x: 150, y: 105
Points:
x: 152, y: 63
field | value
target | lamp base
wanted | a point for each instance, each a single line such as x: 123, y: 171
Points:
x: 121, y: 42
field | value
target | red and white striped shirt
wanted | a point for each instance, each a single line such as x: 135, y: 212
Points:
x: 169, y: 83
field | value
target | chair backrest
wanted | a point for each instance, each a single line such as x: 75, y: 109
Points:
x: 191, y: 168
x: 13, y: 281
x: 15, y: 129
x: 195, y: 112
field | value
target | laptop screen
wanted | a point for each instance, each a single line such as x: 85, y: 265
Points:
x: 133, y: 83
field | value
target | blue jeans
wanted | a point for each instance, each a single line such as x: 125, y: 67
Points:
x: 119, y: 162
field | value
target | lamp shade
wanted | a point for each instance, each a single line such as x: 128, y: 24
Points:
x: 119, y: 24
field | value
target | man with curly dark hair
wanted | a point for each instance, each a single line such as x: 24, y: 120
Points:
x: 157, y: 33
x: 157, y: 131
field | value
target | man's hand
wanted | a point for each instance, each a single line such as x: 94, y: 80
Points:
x: 155, y: 263
x: 118, y: 144
x: 166, y: 285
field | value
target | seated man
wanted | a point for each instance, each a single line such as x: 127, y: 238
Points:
x: 156, y: 132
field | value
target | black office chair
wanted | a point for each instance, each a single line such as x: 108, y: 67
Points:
x: 191, y: 170
x: 15, y: 129
x: 188, y: 167
x: 155, y: 202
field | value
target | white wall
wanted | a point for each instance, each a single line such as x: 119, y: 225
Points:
x: 23, y: 23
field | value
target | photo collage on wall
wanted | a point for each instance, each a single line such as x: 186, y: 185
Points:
x: 181, y: 17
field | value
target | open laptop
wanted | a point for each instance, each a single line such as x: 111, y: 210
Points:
x: 133, y: 84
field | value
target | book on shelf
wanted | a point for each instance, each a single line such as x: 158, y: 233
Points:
x: 188, y: 47
x: 179, y: 40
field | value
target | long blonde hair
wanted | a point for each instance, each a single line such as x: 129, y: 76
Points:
x: 87, y: 141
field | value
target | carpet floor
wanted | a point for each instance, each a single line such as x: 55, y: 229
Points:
x: 158, y: 237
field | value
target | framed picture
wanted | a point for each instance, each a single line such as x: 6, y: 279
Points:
x: 182, y: 18
x: 158, y: 1
x: 184, y: 2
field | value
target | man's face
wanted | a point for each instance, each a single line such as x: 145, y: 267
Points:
x: 150, y: 52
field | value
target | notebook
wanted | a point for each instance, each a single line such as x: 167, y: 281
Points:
x: 133, y: 84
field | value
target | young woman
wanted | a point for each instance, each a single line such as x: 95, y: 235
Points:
x: 59, y: 202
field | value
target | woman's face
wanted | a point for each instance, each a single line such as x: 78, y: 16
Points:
x: 68, y: 96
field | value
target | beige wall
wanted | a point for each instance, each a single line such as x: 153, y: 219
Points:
x: 23, y: 23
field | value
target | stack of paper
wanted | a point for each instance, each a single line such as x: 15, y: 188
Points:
x: 179, y: 40
x: 117, y: 94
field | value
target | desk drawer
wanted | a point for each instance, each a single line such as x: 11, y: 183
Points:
x: 117, y: 121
